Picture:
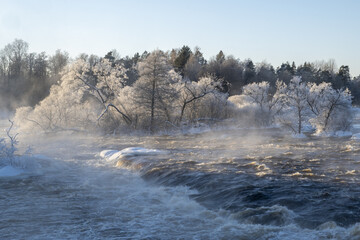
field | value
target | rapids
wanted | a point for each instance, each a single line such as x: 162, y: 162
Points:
x: 221, y: 184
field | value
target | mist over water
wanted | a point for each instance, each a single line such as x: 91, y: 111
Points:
x: 220, y: 184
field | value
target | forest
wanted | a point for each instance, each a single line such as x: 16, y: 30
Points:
x: 162, y: 90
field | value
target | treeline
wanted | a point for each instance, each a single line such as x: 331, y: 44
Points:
x: 26, y: 78
x: 100, y: 96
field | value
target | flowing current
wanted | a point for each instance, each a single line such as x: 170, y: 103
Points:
x: 220, y: 184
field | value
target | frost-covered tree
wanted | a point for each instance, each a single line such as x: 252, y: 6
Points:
x: 195, y: 65
x: 63, y: 107
x: 331, y: 108
x: 192, y: 68
x: 104, y: 81
x: 57, y: 64
x: 155, y: 90
x: 193, y: 92
x: 268, y: 105
x: 83, y: 94
x: 296, y: 109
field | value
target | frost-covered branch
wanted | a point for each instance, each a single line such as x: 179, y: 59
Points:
x: 93, y: 88
x: 192, y: 91
x: 7, y: 151
x: 126, y: 118
x: 12, y: 138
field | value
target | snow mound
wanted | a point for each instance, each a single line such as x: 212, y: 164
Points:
x: 9, y: 171
x: 108, y: 153
x: 129, y: 152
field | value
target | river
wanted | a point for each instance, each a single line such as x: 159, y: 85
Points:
x: 227, y: 183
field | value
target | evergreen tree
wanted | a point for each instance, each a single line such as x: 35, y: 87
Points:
x: 249, y: 72
x: 342, y: 79
x: 181, y: 59
x: 285, y: 72
x: 109, y: 56
x: 220, y: 57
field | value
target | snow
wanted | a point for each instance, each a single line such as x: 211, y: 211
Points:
x: 129, y: 152
x: 334, y: 134
x: 299, y: 135
x: 356, y: 136
x: 343, y: 134
x: 108, y: 153
x: 9, y: 171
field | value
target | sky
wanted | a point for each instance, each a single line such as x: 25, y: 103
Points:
x: 274, y: 31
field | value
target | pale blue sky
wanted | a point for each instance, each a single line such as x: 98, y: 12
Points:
x: 273, y: 30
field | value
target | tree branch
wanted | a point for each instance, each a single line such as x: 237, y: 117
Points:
x: 126, y: 118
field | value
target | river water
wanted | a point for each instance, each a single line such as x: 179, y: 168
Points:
x: 220, y: 184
